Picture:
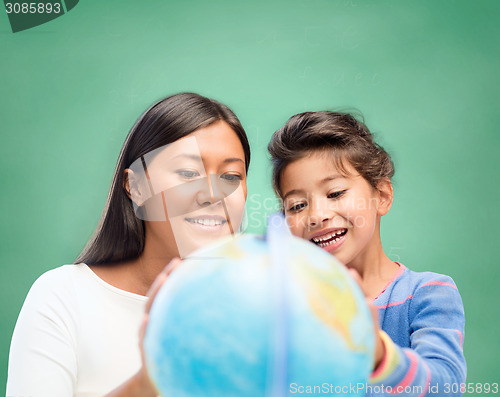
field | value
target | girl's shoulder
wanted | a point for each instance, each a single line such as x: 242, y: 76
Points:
x: 416, y: 294
x: 409, y: 286
x: 412, y: 280
x: 424, y: 289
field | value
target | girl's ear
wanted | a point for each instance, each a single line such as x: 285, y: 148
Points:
x: 386, y: 195
x: 132, y: 187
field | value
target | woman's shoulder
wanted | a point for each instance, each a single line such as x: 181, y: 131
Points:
x: 54, y: 288
x: 79, y: 280
x: 51, y: 299
x: 60, y: 278
x: 57, y: 277
x: 69, y: 291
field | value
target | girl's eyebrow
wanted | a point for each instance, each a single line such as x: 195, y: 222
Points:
x: 302, y: 191
x: 294, y: 191
x: 329, y: 178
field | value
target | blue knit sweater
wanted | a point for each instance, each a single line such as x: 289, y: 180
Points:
x: 423, y: 315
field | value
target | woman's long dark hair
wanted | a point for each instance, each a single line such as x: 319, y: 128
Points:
x: 120, y: 235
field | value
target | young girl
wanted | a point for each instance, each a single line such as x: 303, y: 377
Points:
x: 175, y: 188
x: 335, y: 185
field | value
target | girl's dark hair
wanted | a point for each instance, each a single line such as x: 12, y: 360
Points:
x: 335, y: 133
x: 120, y: 235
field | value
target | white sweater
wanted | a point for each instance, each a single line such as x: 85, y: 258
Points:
x: 76, y: 335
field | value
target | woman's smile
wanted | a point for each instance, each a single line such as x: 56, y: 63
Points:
x: 206, y: 223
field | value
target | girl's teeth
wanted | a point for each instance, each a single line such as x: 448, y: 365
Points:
x: 330, y: 242
x: 319, y: 240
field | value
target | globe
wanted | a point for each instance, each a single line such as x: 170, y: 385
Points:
x: 254, y: 316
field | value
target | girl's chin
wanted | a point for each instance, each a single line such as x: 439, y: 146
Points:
x: 341, y: 257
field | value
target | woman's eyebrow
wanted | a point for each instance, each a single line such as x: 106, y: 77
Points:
x: 233, y: 159
x: 198, y: 158
x: 189, y: 156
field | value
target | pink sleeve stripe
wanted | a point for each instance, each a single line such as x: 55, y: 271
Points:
x: 394, y: 303
x: 439, y: 283
x: 428, y: 382
x: 461, y: 338
x: 410, y: 375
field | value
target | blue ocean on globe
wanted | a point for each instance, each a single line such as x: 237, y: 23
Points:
x: 246, y: 317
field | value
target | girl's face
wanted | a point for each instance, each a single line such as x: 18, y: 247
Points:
x: 339, y: 213
x: 192, y: 191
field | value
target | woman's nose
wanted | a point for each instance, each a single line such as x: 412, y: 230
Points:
x: 205, y: 195
x: 214, y: 189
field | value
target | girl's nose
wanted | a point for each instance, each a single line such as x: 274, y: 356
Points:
x: 319, y: 212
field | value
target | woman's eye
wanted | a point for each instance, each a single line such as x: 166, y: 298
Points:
x: 296, y: 207
x: 231, y: 177
x: 188, y: 174
x: 335, y: 195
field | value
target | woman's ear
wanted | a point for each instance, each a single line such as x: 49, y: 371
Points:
x: 386, y: 196
x: 132, y: 187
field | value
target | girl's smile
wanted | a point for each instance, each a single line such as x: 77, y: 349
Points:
x: 330, y: 240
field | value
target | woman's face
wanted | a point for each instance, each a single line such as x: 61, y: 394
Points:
x: 192, y: 191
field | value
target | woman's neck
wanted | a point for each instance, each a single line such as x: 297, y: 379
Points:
x: 135, y: 275
x: 144, y: 269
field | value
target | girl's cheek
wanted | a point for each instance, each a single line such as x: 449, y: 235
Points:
x: 347, y: 203
x: 359, y: 221
x: 293, y: 224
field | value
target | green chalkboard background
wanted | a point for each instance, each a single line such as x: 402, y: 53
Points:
x: 424, y: 73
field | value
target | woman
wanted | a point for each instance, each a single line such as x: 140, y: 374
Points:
x: 175, y: 188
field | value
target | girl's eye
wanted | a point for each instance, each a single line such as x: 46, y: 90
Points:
x: 231, y: 177
x: 335, y: 195
x: 188, y: 174
x: 297, y: 207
